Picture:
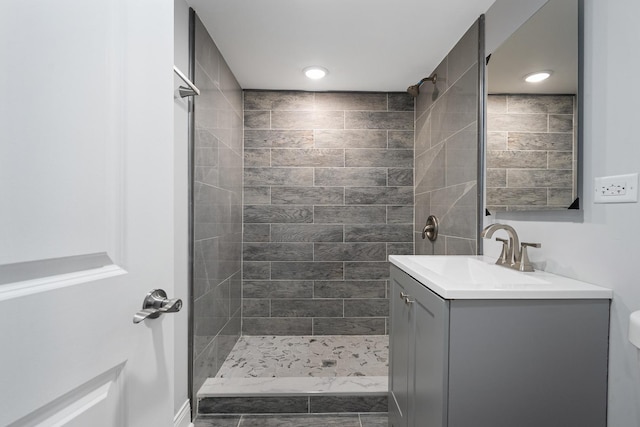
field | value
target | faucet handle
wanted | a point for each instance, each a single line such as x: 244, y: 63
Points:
x: 532, y: 245
x: 525, y: 264
x: 503, y: 259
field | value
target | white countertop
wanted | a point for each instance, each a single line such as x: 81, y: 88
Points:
x: 477, y: 277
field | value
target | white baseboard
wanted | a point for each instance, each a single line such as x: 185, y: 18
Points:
x: 183, y: 417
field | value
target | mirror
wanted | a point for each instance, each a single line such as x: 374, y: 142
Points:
x: 533, y: 134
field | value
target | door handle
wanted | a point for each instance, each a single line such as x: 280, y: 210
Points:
x: 155, y: 304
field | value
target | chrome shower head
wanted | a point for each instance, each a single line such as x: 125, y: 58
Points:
x: 415, y: 89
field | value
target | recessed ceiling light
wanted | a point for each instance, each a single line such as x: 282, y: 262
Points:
x: 315, y: 72
x: 537, y: 76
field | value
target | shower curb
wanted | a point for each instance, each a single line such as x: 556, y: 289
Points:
x: 293, y: 395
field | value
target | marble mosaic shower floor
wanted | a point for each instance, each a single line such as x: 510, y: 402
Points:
x: 307, y: 356
x: 301, y: 375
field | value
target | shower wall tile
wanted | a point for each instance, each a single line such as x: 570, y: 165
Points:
x: 328, y: 193
x: 463, y: 55
x: 256, y: 270
x: 279, y: 289
x: 552, y: 104
x: 278, y: 252
x: 307, y: 119
x: 399, y: 214
x: 539, y: 178
x: 400, y: 177
x: 256, y: 307
x: 307, y: 307
x: 366, y: 270
x: 278, y: 176
x: 277, y: 326
x: 540, y: 141
x: 379, y: 196
x: 515, y: 122
x: 257, y: 119
x: 257, y: 195
x: 447, y: 150
x: 307, y: 195
x: 349, y: 252
x: 560, y: 159
x: 257, y: 158
x: 401, y: 101
x: 359, y: 101
x: 459, y: 246
x: 350, y: 214
x: 377, y: 233
x: 350, y: 289
x: 378, y: 120
x: 278, y: 138
x: 366, y: 308
x: 310, y: 157
x: 350, y: 176
x: 218, y: 161
x: 350, y: 138
x: 349, y: 326
x: 306, y: 233
x: 401, y: 139
x: 380, y: 158
x: 282, y: 100
x: 277, y: 214
x: 307, y: 270
x: 400, y: 248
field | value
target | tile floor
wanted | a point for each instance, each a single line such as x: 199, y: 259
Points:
x: 303, y: 356
x: 327, y: 361
x: 324, y: 420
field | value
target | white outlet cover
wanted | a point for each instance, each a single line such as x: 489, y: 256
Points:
x: 616, y: 189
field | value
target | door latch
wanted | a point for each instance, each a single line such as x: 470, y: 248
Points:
x: 155, y: 304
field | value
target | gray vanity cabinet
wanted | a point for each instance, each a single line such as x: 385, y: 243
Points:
x: 495, y: 363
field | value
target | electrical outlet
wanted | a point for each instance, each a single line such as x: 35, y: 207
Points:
x: 616, y: 189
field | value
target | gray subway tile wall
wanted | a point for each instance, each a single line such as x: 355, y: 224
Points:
x: 217, y: 209
x: 328, y: 197
x: 530, y: 153
x: 446, y: 152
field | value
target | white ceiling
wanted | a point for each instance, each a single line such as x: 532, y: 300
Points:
x: 367, y: 45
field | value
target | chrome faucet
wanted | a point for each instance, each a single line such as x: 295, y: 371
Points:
x: 514, y: 254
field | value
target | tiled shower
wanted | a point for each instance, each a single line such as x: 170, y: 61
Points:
x: 300, y: 198
x: 328, y: 181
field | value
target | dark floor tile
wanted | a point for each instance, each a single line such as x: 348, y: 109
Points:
x: 300, y: 421
x: 252, y: 405
x: 374, y: 420
x: 217, y: 421
x: 326, y: 404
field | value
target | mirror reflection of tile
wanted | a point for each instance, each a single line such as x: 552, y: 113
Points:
x: 530, y: 152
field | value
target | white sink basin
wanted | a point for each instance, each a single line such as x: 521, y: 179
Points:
x: 478, y: 277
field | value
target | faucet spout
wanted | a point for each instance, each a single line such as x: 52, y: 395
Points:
x: 513, y: 250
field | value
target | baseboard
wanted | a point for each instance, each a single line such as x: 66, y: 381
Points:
x: 183, y: 417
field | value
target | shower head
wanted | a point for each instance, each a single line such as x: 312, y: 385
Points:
x: 415, y: 89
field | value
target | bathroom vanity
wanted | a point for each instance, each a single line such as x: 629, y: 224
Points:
x: 473, y: 344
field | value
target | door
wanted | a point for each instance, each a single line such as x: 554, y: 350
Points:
x: 399, y: 338
x: 86, y: 217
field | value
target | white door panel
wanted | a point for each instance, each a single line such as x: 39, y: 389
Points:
x: 86, y: 167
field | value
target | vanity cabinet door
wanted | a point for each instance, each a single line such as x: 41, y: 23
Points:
x: 430, y: 354
x: 398, y: 355
x: 418, y: 354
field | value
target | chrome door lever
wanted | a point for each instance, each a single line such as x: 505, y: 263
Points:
x: 155, y: 304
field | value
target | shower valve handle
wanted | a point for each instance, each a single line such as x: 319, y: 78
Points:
x: 155, y: 304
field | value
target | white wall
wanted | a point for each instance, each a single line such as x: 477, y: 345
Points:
x: 181, y: 206
x: 603, y: 247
